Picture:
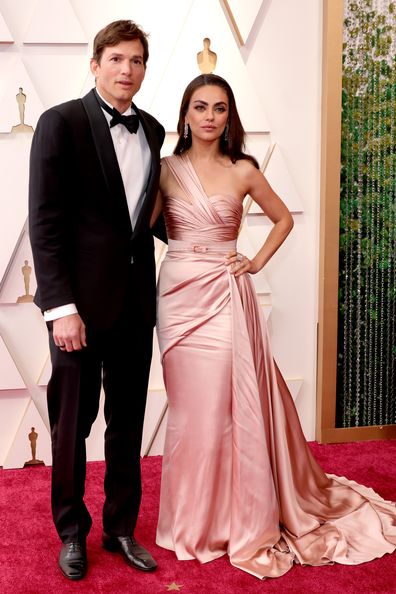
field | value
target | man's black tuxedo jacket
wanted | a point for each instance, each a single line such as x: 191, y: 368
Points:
x: 80, y: 228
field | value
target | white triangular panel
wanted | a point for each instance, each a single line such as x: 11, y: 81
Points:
x: 7, y: 63
x: 243, y: 15
x: 161, y: 45
x: 260, y: 283
x: 10, y: 378
x: 13, y: 285
x: 294, y: 385
x: 15, y: 76
x: 247, y: 247
x: 95, y: 441
x: 265, y: 301
x: 68, y: 86
x: 12, y: 408
x: 156, y: 381
x: 14, y: 173
x: 45, y: 372
x: 160, y: 250
x: 259, y: 145
x: 266, y: 309
x: 5, y: 35
x: 17, y: 15
x: 54, y: 21
x: 281, y: 182
x: 88, y: 84
x: 20, y: 451
x: 169, y: 144
x: 153, y: 421
x: 26, y: 337
x: 39, y: 397
x: 206, y: 19
x: 157, y: 444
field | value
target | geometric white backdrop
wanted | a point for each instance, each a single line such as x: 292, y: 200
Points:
x: 269, y: 51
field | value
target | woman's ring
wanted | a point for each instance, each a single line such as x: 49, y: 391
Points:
x: 239, y: 257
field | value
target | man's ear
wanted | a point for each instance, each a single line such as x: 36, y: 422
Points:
x: 94, y: 66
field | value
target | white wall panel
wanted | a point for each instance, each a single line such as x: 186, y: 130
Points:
x: 13, y: 405
x: 17, y: 15
x: 54, y: 21
x: 5, y: 35
x: 270, y: 51
x: 10, y: 378
x: 74, y: 67
x: 14, y: 164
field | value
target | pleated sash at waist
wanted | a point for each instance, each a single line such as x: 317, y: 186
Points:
x: 201, y: 247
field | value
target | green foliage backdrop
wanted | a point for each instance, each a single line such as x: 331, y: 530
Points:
x: 367, y: 284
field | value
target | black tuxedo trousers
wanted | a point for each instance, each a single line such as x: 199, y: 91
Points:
x: 120, y: 358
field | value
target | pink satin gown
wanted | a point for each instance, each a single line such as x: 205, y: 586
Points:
x: 238, y: 476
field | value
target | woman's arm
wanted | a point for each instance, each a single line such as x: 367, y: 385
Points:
x: 260, y: 190
x: 157, y: 209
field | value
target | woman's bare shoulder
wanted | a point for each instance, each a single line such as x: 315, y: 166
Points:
x: 247, y: 172
x: 246, y: 166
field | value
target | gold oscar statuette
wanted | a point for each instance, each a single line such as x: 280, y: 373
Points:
x: 26, y: 271
x: 21, y: 100
x: 206, y: 59
x: 33, y: 436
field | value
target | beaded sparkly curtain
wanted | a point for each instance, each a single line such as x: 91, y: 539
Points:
x: 367, y: 283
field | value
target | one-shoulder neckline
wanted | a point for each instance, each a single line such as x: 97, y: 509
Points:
x: 186, y: 158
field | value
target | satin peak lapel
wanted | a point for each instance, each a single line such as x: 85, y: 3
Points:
x: 106, y: 153
x: 154, y: 168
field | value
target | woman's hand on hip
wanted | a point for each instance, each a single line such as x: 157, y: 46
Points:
x: 239, y: 264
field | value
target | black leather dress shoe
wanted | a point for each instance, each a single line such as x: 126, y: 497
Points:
x: 73, y: 560
x: 133, y: 553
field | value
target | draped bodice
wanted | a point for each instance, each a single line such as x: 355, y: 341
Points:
x: 196, y: 216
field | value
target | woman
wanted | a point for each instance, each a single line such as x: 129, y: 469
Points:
x: 238, y: 475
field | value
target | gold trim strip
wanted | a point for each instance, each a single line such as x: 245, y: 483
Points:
x: 333, y: 14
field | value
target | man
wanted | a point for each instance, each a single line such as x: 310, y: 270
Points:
x: 93, y: 181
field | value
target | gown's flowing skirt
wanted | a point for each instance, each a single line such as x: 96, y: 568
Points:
x: 238, y: 475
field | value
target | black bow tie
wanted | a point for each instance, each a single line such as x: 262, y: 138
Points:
x: 131, y: 122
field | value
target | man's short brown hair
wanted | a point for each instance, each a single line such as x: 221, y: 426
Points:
x: 116, y: 32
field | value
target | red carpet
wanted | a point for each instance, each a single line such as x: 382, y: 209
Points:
x: 29, y: 545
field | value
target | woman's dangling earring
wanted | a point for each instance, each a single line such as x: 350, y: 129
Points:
x: 226, y: 133
x: 185, y: 133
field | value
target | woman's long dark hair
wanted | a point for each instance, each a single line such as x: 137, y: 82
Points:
x: 235, y: 143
